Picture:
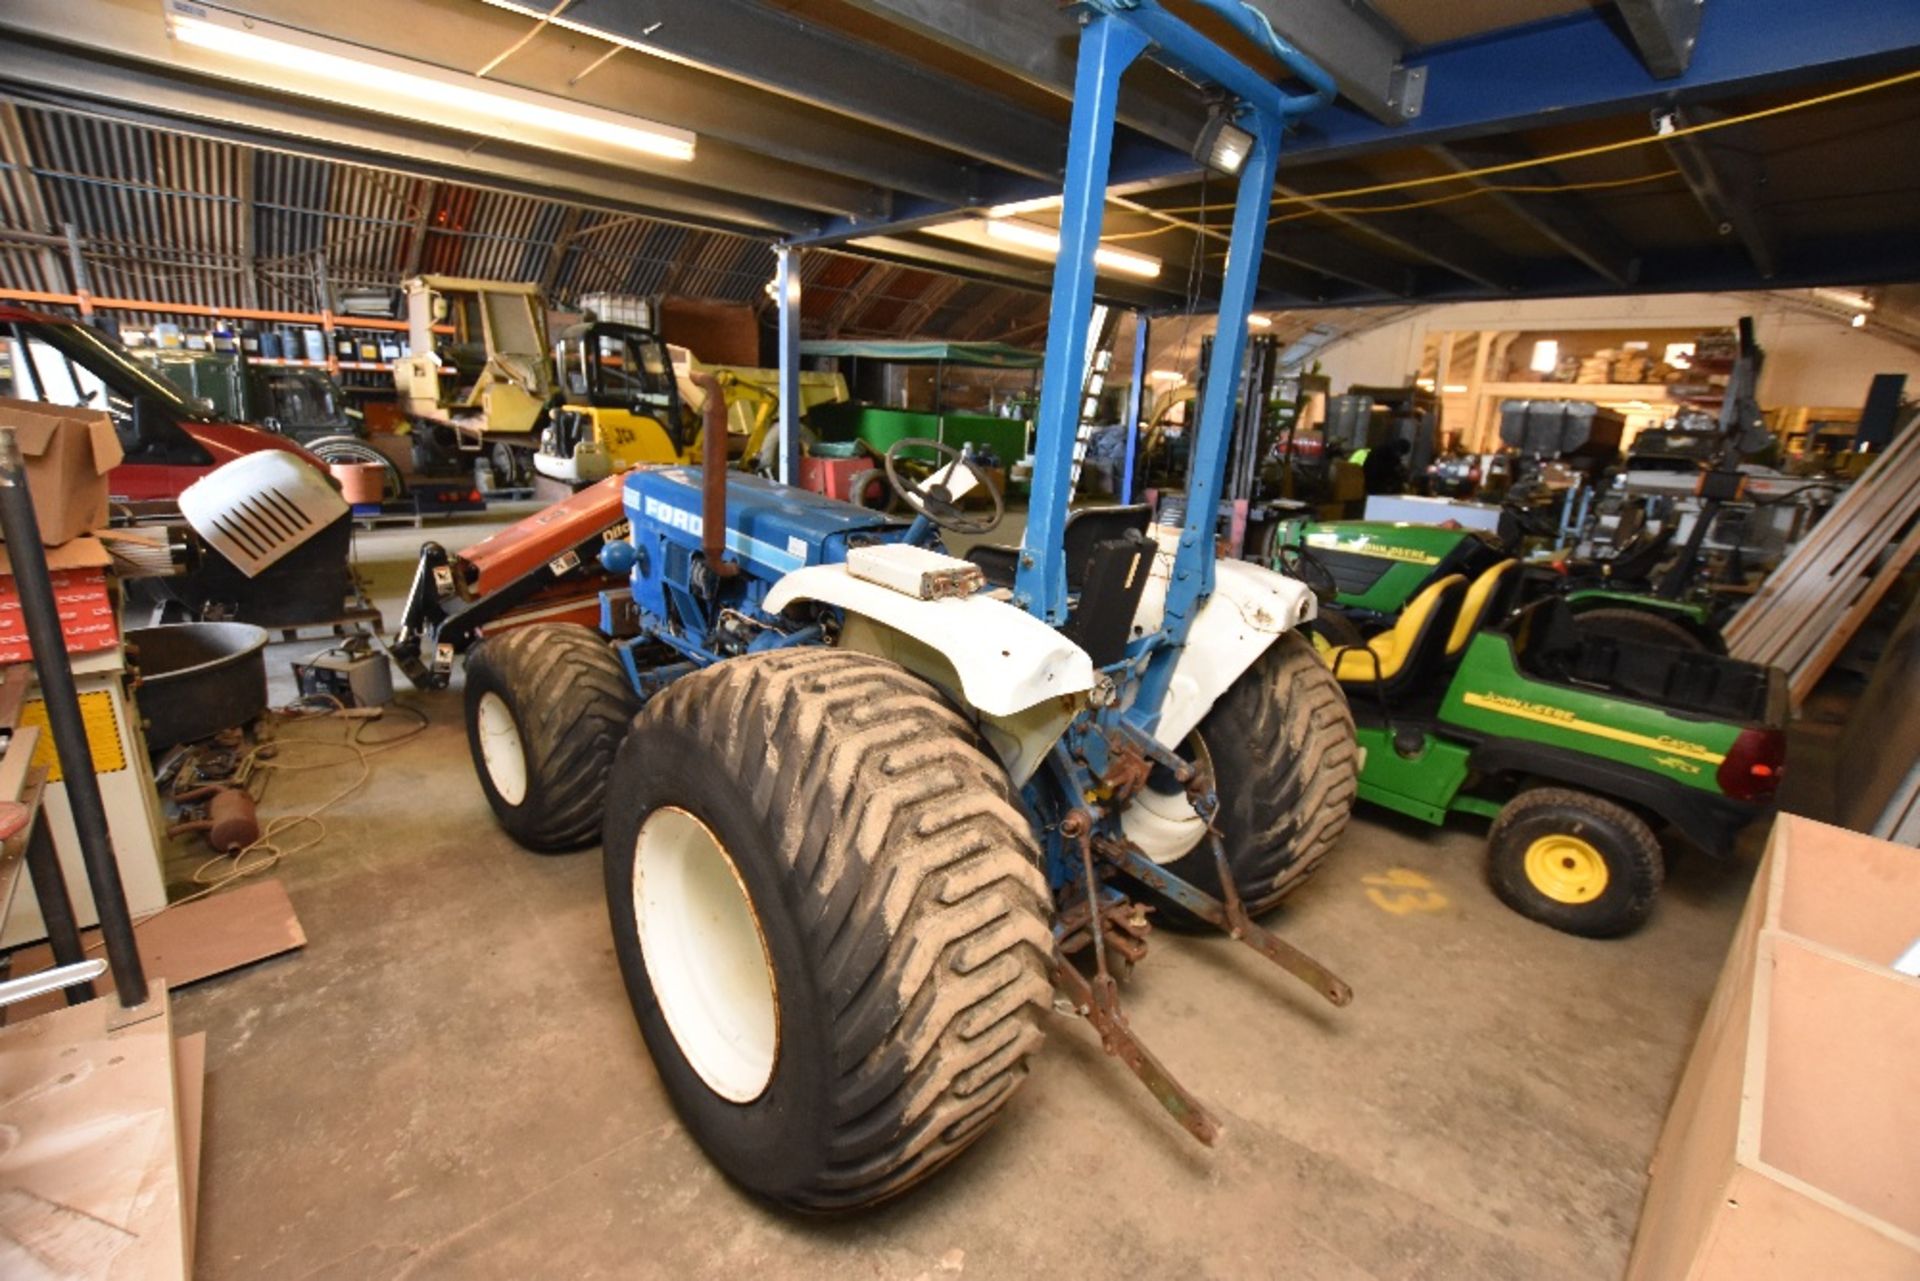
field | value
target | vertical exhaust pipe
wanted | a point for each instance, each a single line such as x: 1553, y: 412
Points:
x: 713, y: 476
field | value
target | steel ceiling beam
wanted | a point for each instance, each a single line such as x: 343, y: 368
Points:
x: 1359, y: 48
x: 1033, y: 43
x: 669, y: 92
x: 1580, y: 67
x: 718, y: 166
x: 784, y: 53
x: 301, y: 126
x: 1726, y: 181
x: 1426, y: 238
x: 1664, y: 31
x: 1567, y: 224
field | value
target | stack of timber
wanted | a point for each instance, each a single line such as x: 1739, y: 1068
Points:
x: 1810, y: 607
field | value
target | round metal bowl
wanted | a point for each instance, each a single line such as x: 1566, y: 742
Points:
x: 197, y: 679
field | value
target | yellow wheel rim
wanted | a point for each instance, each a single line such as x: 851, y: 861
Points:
x: 1566, y: 869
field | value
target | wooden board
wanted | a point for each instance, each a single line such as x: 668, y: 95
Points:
x: 190, y: 1080
x: 191, y: 942
x: 1691, y: 1163
x: 1802, y: 618
x: 1846, y: 891
x: 91, y: 1184
x: 1839, y: 1111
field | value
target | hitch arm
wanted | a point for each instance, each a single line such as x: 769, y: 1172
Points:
x: 1103, y: 1012
x: 1234, y: 920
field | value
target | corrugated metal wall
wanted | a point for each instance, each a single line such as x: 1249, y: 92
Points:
x: 202, y: 221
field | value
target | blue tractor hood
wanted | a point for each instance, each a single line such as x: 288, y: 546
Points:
x: 771, y: 528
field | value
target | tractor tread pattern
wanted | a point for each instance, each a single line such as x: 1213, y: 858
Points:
x: 928, y: 932
x: 1294, y: 717
x: 573, y: 703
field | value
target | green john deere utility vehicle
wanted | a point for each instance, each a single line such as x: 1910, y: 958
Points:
x: 1579, y: 745
x: 1366, y: 571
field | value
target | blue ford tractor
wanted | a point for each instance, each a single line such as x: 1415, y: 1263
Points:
x: 866, y: 805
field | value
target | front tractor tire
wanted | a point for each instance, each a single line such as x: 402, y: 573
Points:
x: 1286, y: 769
x: 546, y: 708
x: 1575, y: 861
x: 831, y: 922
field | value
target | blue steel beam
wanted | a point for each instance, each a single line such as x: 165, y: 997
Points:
x: 1574, y: 68
x: 1107, y: 48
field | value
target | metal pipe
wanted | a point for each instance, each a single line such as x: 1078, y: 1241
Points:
x: 56, y: 905
x: 786, y: 285
x: 42, y: 616
x: 1135, y: 400
x: 713, y: 475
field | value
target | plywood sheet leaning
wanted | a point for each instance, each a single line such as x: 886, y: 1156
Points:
x: 90, y: 1175
x: 1792, y: 1148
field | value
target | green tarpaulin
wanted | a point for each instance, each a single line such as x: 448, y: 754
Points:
x: 986, y: 354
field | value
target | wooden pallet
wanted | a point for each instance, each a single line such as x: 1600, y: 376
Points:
x: 1812, y: 605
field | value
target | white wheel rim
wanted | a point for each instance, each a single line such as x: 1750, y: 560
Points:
x: 1165, y: 825
x: 1166, y: 828
x: 501, y: 750
x: 706, y: 955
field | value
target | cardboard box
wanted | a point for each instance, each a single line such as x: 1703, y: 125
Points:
x: 68, y: 454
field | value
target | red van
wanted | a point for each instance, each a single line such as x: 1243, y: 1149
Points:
x: 170, y: 442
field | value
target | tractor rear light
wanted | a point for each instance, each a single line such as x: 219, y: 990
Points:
x: 1754, y: 765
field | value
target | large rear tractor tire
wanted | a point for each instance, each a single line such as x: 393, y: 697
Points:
x: 1575, y: 861
x: 1286, y: 769
x: 547, y: 706
x: 830, y: 919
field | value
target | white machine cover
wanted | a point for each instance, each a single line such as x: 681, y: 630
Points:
x: 258, y: 508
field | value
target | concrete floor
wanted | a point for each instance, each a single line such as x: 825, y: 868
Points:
x: 447, y: 1080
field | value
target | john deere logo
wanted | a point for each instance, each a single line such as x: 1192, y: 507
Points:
x: 1378, y: 551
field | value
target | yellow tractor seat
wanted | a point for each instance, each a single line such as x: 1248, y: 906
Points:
x: 1485, y: 601
x: 1395, y: 659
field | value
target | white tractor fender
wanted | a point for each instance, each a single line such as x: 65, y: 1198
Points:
x: 1006, y: 660
x: 1251, y: 608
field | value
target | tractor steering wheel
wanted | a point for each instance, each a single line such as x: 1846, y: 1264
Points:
x: 931, y: 497
x: 1301, y: 565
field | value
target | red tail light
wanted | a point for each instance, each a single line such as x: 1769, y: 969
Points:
x: 1754, y: 765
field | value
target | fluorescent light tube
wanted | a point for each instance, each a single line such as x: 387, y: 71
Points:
x: 1044, y: 240
x: 1019, y: 207
x: 332, y: 70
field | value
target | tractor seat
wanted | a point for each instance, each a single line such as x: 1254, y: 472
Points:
x: 1485, y: 600
x: 1086, y: 528
x: 1398, y: 659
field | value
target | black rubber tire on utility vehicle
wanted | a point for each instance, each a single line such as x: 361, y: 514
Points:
x: 1575, y: 861
x: 901, y: 917
x: 1286, y: 768
x: 554, y: 697
x: 1641, y: 627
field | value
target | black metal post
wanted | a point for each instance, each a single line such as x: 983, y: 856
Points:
x: 56, y: 905
x: 42, y: 616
